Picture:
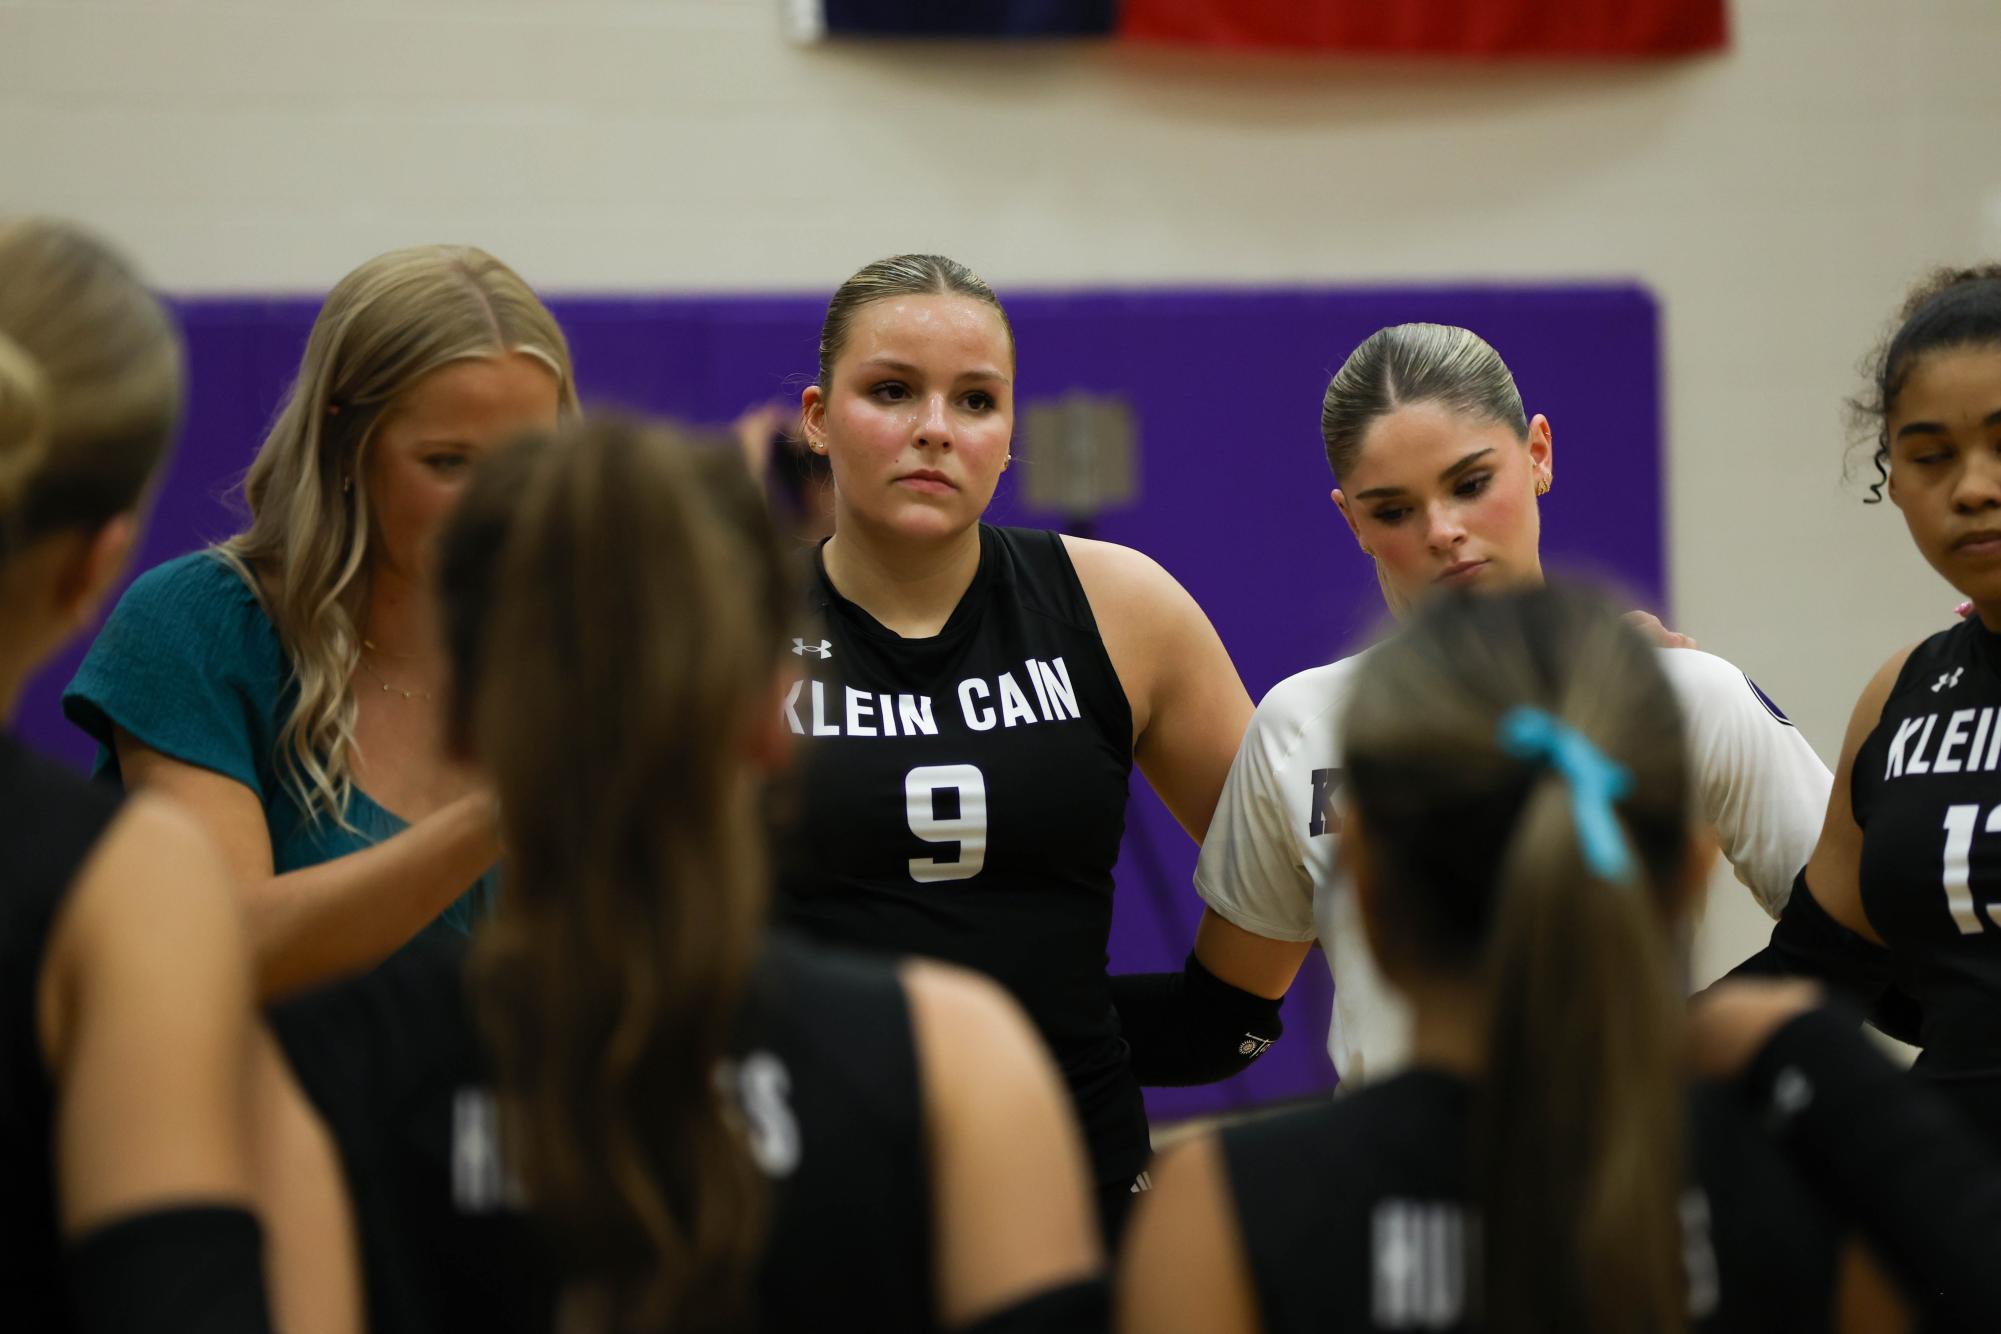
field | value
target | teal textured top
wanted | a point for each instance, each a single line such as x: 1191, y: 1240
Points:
x: 189, y: 665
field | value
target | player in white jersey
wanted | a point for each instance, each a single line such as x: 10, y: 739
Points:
x: 1439, y: 474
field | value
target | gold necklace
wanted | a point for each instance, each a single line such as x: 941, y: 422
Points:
x: 388, y: 689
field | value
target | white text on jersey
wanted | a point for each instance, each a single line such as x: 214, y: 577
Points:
x: 1426, y: 1254
x: 812, y: 708
x: 1956, y: 752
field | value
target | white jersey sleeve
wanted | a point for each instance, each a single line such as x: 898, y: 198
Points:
x: 1270, y: 863
x: 1253, y: 869
x: 1758, y: 782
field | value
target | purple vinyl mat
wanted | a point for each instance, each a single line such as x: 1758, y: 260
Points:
x: 1225, y: 388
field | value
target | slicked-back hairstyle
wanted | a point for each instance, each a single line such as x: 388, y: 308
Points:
x: 899, y: 275
x: 384, y: 327
x: 1414, y: 363
x: 613, y: 607
x: 1578, y: 1144
x: 1949, y: 309
x: 90, y: 381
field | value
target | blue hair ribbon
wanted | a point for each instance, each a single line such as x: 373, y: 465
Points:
x: 1596, y: 781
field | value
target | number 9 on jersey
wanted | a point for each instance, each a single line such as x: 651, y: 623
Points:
x: 947, y: 805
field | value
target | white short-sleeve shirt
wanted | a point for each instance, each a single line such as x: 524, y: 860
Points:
x: 1268, y: 863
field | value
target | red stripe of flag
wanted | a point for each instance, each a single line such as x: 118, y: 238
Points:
x: 1618, y: 28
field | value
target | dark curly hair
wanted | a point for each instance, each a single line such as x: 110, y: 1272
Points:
x: 1950, y: 308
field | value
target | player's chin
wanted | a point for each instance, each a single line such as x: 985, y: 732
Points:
x: 924, y: 517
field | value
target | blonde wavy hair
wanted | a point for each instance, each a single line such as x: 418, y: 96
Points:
x: 90, y: 381
x: 384, y: 327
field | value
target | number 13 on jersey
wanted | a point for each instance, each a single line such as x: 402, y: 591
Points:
x: 1971, y: 916
x: 947, y: 804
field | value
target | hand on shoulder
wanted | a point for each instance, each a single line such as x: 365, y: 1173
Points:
x: 1655, y: 632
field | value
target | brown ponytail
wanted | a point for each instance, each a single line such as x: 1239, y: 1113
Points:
x: 1578, y: 1142
x: 1580, y: 1123
x: 613, y: 605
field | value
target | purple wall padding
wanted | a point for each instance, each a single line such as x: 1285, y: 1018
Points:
x: 1226, y: 385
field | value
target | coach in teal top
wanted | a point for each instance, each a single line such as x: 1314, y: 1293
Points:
x: 189, y: 665
x: 286, y: 685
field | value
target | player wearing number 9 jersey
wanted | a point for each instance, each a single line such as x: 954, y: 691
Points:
x: 1910, y: 853
x: 974, y: 697
x: 631, y: 1106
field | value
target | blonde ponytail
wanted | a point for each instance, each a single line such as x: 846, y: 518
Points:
x: 1544, y: 865
x: 90, y: 381
x: 24, y: 428
x: 1579, y: 1122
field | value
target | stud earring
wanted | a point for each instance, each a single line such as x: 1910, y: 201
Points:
x: 1542, y: 485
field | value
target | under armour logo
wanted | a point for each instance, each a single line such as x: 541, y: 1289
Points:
x: 823, y: 649
x: 1947, y: 680
x: 1253, y: 1046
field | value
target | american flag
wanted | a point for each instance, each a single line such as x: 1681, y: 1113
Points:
x: 1497, y: 29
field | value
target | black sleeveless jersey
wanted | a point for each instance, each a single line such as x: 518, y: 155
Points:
x: 963, y: 796
x: 824, y: 1073
x: 1926, y: 790
x: 49, y: 821
x: 1354, y: 1216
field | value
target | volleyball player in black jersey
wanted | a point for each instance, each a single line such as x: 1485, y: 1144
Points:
x: 1519, y: 825
x: 715, y: 1127
x: 139, y: 1113
x: 977, y: 696
x: 1909, y: 855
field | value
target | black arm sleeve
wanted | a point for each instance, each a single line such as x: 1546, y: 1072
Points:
x: 1075, y: 1308
x: 1806, y: 942
x: 1894, y: 1158
x: 188, y: 1270
x: 1191, y: 1027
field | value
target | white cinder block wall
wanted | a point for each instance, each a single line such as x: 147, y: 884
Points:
x: 1777, y: 198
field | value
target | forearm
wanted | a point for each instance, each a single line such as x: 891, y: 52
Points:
x: 323, y: 922
x: 1893, y: 1157
x: 1191, y: 1027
